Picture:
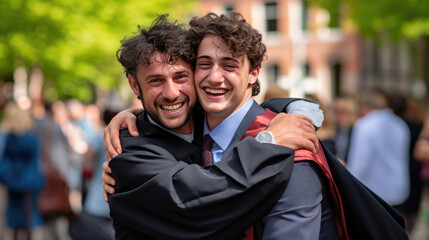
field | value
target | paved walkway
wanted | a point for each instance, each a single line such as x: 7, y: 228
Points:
x: 421, y: 230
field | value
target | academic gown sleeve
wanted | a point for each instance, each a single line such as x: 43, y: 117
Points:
x: 159, y: 197
x: 296, y: 106
x: 279, y: 105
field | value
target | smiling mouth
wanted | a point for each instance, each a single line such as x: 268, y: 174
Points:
x: 171, y: 108
x: 216, y: 91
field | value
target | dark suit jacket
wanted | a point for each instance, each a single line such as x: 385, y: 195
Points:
x: 161, y: 194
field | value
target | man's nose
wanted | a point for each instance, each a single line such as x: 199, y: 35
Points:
x: 171, y: 90
x: 216, y: 75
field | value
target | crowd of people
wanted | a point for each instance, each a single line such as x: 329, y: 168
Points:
x: 376, y: 135
x: 51, y: 155
x: 50, y: 171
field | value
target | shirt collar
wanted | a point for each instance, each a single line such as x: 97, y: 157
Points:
x: 223, y: 133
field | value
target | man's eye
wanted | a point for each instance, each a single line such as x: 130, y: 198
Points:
x: 203, y: 64
x: 181, y: 76
x: 155, y: 80
x: 230, y: 67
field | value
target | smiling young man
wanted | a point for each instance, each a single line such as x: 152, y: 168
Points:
x: 229, y: 53
x: 223, y: 83
x: 170, y: 102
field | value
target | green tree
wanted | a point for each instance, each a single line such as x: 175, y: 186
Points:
x: 399, y: 19
x: 74, y: 42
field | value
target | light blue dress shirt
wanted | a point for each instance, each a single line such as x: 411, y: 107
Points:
x: 379, y: 157
x: 94, y: 202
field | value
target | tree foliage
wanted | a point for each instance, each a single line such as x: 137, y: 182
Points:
x: 74, y: 42
x: 398, y: 18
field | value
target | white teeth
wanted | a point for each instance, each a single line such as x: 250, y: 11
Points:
x: 215, y: 91
x: 172, y: 107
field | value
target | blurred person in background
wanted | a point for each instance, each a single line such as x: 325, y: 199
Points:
x: 407, y: 110
x: 345, y: 112
x: 76, y: 133
x: 54, y: 154
x: 94, y: 222
x: 21, y: 174
x: 3, y: 190
x: 2, y: 141
x: 90, y: 124
x: 70, y: 117
x: 379, y: 149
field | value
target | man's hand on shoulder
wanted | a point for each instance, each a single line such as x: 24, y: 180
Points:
x: 124, y: 119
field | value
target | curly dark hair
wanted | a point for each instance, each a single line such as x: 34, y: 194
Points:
x: 162, y: 36
x: 237, y: 34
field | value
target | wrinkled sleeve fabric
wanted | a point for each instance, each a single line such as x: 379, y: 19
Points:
x: 169, y: 199
x: 296, y: 106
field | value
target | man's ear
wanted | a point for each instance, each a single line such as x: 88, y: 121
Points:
x: 134, y: 85
x: 253, y: 76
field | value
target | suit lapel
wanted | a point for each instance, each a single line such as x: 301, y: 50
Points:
x: 254, y: 111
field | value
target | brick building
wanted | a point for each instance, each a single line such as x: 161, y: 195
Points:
x: 305, y: 56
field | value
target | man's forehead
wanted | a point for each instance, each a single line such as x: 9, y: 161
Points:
x: 162, y: 62
x: 215, y: 44
x: 160, y: 57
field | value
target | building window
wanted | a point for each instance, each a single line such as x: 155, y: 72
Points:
x: 271, y: 16
x: 336, y: 78
x: 306, y: 70
x: 272, y: 74
x: 304, y: 15
x: 229, y: 9
x: 376, y: 60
